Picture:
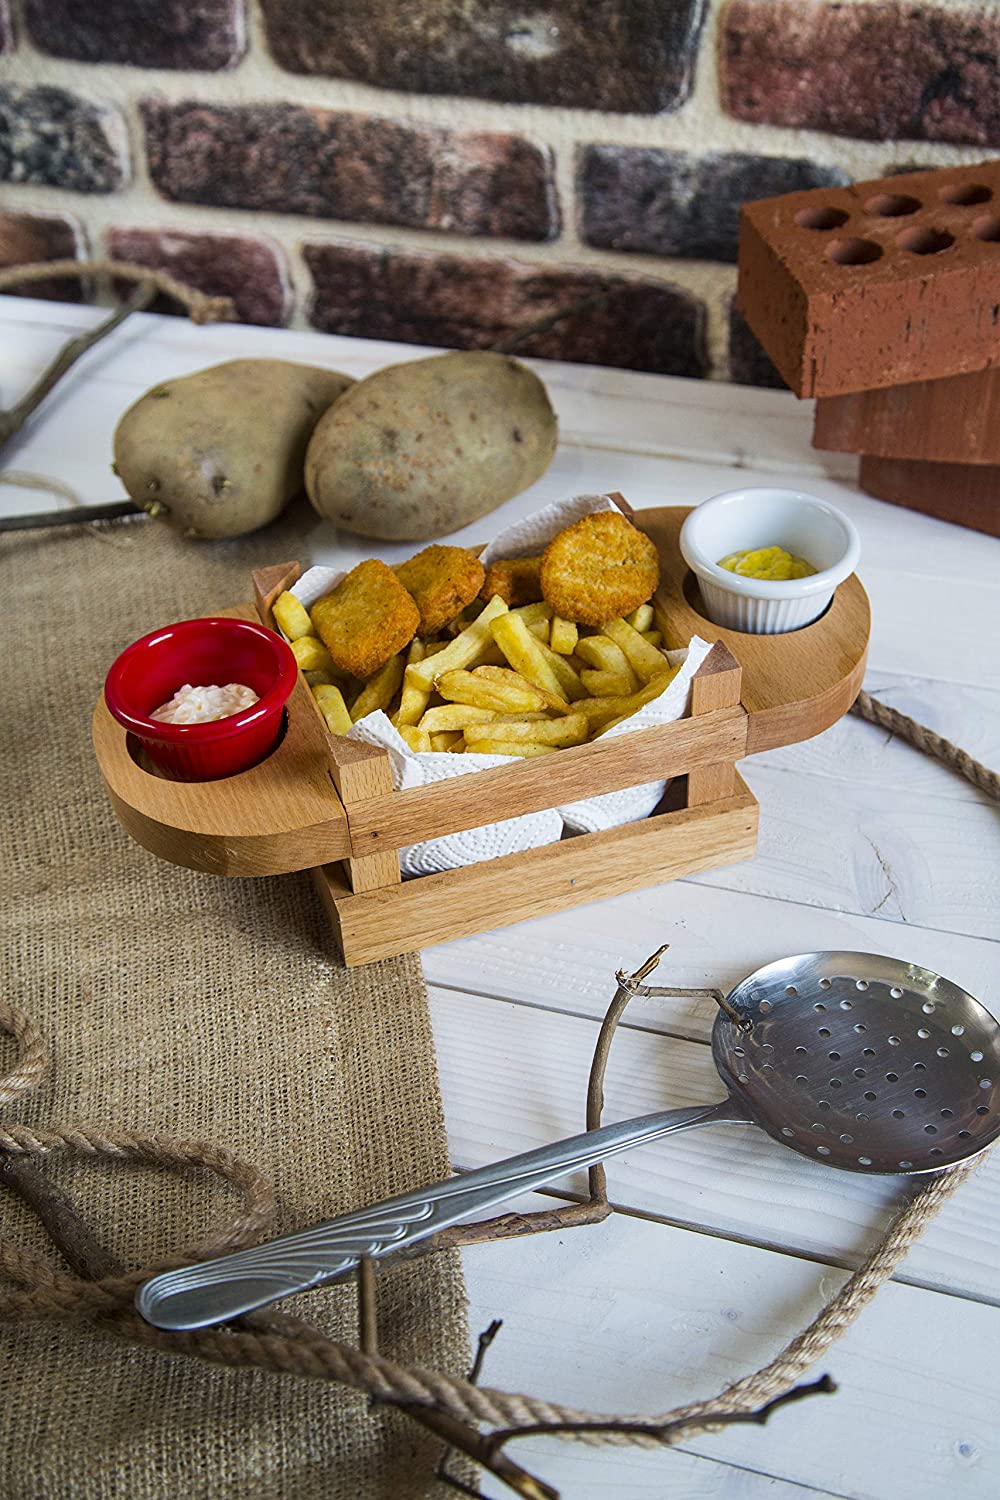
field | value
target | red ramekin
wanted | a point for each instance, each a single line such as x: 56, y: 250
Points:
x: 203, y: 652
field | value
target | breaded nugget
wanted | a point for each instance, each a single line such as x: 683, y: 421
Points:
x: 515, y: 580
x: 442, y: 580
x: 599, y: 568
x: 367, y: 618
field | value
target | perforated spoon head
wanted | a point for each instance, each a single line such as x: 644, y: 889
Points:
x: 863, y: 1062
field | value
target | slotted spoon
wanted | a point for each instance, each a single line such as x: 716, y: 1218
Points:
x: 854, y: 1060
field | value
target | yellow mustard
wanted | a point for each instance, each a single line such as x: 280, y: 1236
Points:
x: 766, y: 562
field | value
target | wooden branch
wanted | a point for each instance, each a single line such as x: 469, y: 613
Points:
x: 367, y: 1316
x: 76, y: 515
x: 80, y: 1249
x: 824, y: 1386
x: 13, y: 420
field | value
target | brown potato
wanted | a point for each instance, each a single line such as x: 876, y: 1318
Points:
x: 222, y: 451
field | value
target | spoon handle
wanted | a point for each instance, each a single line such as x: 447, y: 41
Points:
x: 216, y: 1290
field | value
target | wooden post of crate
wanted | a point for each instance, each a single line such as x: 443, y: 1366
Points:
x: 717, y: 684
x: 361, y: 772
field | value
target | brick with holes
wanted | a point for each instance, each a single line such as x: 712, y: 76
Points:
x: 876, y: 284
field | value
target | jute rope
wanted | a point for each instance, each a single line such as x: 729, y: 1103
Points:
x: 200, y: 307
x: 277, y: 1342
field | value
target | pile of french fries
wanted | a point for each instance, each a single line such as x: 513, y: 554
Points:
x: 518, y: 682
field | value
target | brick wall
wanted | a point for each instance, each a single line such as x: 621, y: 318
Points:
x: 442, y: 173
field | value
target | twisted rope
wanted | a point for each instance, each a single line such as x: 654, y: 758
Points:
x: 927, y: 740
x: 273, y: 1341
x: 200, y: 307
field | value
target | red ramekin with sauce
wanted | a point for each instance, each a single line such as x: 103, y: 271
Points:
x: 212, y: 651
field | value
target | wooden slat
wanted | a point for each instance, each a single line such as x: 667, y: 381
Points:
x: 268, y: 583
x: 361, y: 772
x: 716, y: 937
x: 637, y: 1316
x: 502, y: 891
x: 716, y: 684
x: 606, y: 765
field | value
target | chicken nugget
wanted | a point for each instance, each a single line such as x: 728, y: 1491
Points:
x: 367, y: 618
x: 599, y: 568
x: 442, y: 581
x: 515, y: 579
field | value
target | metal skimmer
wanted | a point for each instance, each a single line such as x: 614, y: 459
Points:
x: 851, y: 1059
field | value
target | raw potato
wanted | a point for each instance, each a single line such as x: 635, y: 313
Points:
x: 423, y: 448
x: 222, y: 451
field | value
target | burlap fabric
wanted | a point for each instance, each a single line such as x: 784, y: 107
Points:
x: 201, y: 1007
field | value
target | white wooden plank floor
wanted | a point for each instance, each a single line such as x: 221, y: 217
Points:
x: 724, y: 1245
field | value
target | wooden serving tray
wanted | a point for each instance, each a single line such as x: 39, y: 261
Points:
x: 326, y: 803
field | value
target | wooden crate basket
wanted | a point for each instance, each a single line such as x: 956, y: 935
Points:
x: 324, y: 803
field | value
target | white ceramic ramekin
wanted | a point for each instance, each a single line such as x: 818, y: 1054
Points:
x: 800, y: 523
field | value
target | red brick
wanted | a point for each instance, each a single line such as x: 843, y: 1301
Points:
x: 249, y: 270
x: 678, y: 203
x: 207, y: 34
x: 966, y: 494
x: 26, y: 238
x: 466, y: 303
x: 287, y: 159
x: 949, y: 421
x: 884, y: 70
x: 748, y: 359
x: 635, y: 56
x: 877, y: 284
x: 53, y: 138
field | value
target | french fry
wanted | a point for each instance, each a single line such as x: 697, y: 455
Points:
x: 413, y: 699
x: 312, y: 655
x: 320, y: 679
x: 572, y: 730
x: 532, y: 613
x: 563, y: 636
x: 505, y: 747
x: 453, y: 716
x: 608, y: 684
x: 446, y: 739
x: 333, y: 708
x: 498, y: 674
x: 379, y: 691
x: 467, y: 650
x: 652, y: 637
x: 495, y: 687
x: 641, y: 619
x: 431, y: 648
x: 644, y: 659
x: 564, y: 672
x: 600, y: 711
x: 417, y: 739
x: 600, y: 652
x: 291, y: 616
x: 526, y: 655
x: 539, y: 629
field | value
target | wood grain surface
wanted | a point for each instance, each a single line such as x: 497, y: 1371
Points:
x: 710, y: 1262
